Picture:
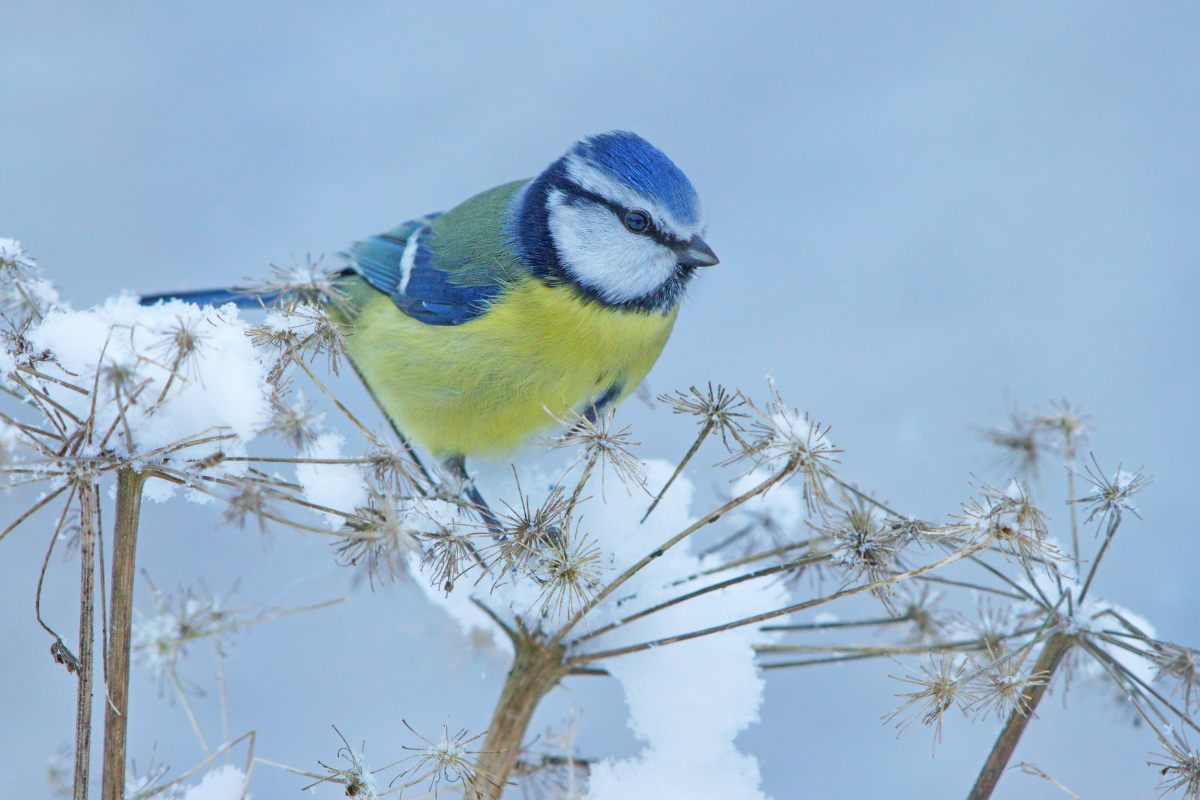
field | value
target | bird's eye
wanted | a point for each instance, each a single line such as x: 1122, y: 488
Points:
x: 636, y: 221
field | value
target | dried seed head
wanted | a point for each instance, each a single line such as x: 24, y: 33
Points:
x: 601, y: 445
x: 783, y: 438
x: 303, y: 331
x: 1001, y: 685
x: 717, y: 408
x: 923, y: 610
x: 380, y: 548
x: 182, y: 343
x: 307, y: 284
x: 24, y: 294
x: 1180, y: 765
x: 527, y: 530
x: 357, y: 779
x: 449, y: 553
x: 392, y: 469
x: 250, y: 501
x: 1178, y: 662
x: 569, y: 572
x: 866, y: 546
x: 123, y: 381
x: 1010, y: 518
x: 1112, y: 496
x: 297, y: 423
x: 1021, y: 445
x: 449, y: 760
x: 161, y: 640
x: 1069, y: 423
x: 942, y: 687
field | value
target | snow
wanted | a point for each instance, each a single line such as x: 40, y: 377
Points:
x: 223, y: 783
x: 338, y: 486
x: 126, y: 352
x: 687, y: 701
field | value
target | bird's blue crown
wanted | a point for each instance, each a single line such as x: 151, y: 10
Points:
x: 632, y: 160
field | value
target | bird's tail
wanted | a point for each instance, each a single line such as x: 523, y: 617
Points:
x: 242, y: 298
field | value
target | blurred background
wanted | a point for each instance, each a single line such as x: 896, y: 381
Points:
x: 926, y: 214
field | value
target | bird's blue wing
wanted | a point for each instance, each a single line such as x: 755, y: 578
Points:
x: 443, y: 269
x: 408, y: 271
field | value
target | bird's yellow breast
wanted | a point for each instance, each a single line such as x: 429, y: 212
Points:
x: 479, y: 388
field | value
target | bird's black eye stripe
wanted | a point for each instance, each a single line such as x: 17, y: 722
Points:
x: 576, y: 192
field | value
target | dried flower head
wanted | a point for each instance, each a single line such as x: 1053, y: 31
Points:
x: 942, y: 687
x: 1069, y: 422
x: 1178, y: 662
x: 161, y: 640
x: 1009, y: 517
x: 182, y: 343
x: 528, y: 530
x: 718, y: 410
x: 927, y: 619
x: 1001, y: 684
x: 447, y: 760
x: 783, y: 438
x: 865, y: 545
x: 357, y: 779
x: 601, y: 445
x: 392, y: 468
x: 380, y: 547
x: 297, y: 423
x: 1112, y: 496
x: 249, y: 501
x: 302, y: 331
x: 1021, y: 445
x: 1180, y: 767
x: 307, y: 284
x: 449, y: 553
x: 569, y: 572
x: 24, y: 294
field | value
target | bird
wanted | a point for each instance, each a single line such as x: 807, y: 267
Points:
x: 552, y: 294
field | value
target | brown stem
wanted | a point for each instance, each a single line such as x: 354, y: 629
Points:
x: 116, y: 711
x: 87, y: 607
x: 537, y: 668
x: 1056, y: 647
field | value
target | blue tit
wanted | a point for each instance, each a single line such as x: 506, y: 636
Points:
x: 556, y: 293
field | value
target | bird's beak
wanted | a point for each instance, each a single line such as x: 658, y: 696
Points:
x: 696, y: 253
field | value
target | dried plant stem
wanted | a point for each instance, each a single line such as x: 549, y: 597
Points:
x: 707, y: 519
x: 537, y: 668
x: 583, y: 479
x: 1056, y: 647
x: 707, y: 429
x: 87, y: 607
x: 584, y: 658
x: 1113, y: 524
x: 116, y: 712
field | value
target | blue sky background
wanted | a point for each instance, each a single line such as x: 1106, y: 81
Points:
x: 924, y: 211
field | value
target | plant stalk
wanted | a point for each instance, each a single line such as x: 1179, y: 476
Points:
x: 116, y: 711
x: 87, y: 635
x: 1056, y: 647
x: 537, y: 668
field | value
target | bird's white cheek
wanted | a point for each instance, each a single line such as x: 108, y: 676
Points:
x: 599, y: 252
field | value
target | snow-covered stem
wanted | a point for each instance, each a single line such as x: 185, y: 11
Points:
x: 120, y: 619
x: 1053, y: 652
x: 87, y: 607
